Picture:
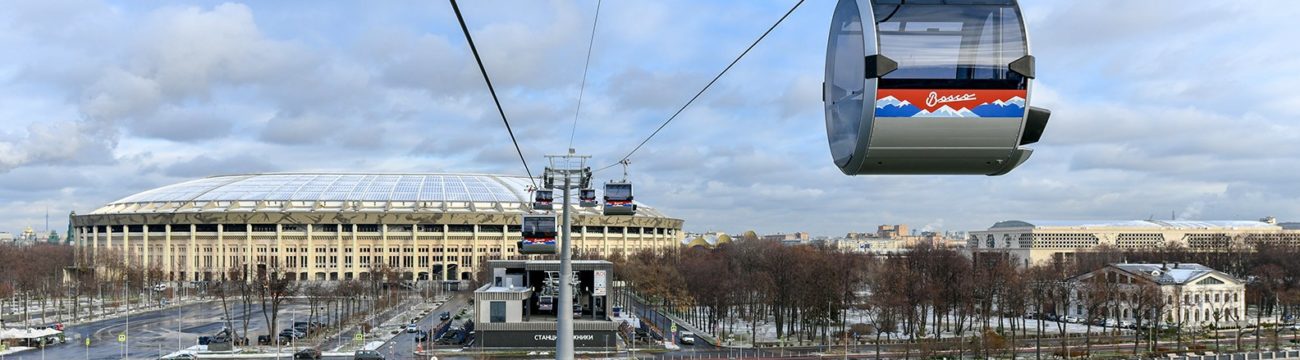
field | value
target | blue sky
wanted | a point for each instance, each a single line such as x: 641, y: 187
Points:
x: 1158, y: 107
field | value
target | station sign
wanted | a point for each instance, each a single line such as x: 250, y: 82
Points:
x: 598, y: 289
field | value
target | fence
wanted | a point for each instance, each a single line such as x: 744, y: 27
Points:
x: 1288, y: 354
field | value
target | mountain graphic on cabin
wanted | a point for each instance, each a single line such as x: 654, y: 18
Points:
x: 890, y: 106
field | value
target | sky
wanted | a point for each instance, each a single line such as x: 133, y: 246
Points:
x: 1159, y: 108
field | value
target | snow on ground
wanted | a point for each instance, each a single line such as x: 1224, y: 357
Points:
x: 765, y: 331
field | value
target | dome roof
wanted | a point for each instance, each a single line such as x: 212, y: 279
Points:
x: 723, y: 239
x: 698, y: 241
x: 312, y: 192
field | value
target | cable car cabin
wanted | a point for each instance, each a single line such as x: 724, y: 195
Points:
x: 538, y: 234
x: 544, y: 200
x: 618, y: 199
x: 587, y: 198
x: 949, y: 83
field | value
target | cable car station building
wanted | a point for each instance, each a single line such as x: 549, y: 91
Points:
x: 333, y: 226
x: 518, y: 308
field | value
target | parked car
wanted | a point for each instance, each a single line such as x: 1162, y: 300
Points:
x: 367, y: 355
x: 686, y: 338
x: 412, y: 329
x: 307, y: 354
x: 264, y: 339
x: 292, y: 333
x: 1071, y: 319
x: 421, y: 336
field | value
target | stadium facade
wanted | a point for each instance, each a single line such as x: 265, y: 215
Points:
x: 331, y: 226
x: 1037, y: 241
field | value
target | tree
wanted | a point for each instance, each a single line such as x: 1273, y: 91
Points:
x: 272, y: 290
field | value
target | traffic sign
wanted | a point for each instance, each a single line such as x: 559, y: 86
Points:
x: 121, y: 338
x: 4, y: 347
x: 359, y: 337
x: 673, y: 328
x: 87, y: 341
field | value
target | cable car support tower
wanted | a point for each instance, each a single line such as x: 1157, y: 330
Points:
x: 572, y: 172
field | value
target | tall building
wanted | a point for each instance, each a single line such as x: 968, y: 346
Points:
x: 1037, y: 241
x: 329, y: 226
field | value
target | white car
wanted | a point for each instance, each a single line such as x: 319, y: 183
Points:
x: 1070, y: 319
x: 686, y: 338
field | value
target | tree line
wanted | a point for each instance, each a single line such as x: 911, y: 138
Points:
x: 935, y: 298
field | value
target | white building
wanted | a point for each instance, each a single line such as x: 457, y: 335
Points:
x: 1190, y: 295
x: 1038, y: 241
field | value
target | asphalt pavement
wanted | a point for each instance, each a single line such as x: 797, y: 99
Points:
x: 156, y: 333
x: 403, y: 345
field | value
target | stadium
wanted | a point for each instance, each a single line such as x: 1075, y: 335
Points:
x: 331, y: 226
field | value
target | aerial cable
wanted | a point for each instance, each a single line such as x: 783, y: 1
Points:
x: 492, y: 90
x: 706, y: 87
x: 585, y: 68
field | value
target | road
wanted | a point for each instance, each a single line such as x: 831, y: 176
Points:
x: 402, y: 346
x: 158, y: 332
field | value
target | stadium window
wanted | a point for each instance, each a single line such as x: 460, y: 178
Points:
x: 399, y: 228
x: 367, y: 227
x: 514, y: 228
x: 291, y: 227
x: 460, y: 228
x: 490, y: 228
x: 596, y: 229
x: 205, y: 228
x: 430, y: 228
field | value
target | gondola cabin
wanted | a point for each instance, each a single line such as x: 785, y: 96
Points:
x: 587, y: 198
x: 929, y: 87
x: 618, y: 199
x: 544, y: 200
x: 538, y: 234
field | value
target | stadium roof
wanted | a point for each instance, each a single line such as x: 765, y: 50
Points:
x: 1137, y: 224
x: 339, y: 192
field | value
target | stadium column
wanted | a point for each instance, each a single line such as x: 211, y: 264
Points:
x: 144, y: 240
x: 278, y: 264
x: 167, y: 253
x: 248, y: 253
x: 94, y: 244
x: 446, y: 271
x: 310, y: 264
x: 625, y: 250
x: 126, y: 245
x: 383, y: 241
x: 221, y: 247
x: 189, y: 255
x: 355, y: 250
x: 473, y: 254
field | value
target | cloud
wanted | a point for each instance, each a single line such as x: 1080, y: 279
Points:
x: 204, y: 166
x: 114, y: 99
